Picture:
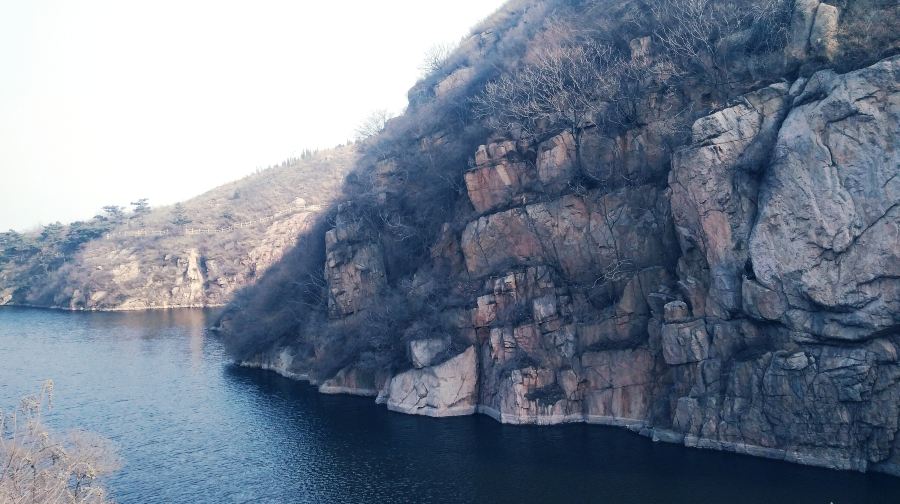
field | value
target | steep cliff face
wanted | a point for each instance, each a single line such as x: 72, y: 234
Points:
x: 735, y: 286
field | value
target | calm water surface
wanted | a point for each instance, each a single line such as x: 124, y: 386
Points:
x: 193, y: 428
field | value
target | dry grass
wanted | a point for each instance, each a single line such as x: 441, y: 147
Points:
x: 39, y: 467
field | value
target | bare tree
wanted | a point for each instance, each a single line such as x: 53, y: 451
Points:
x: 373, y: 125
x: 695, y: 33
x: 38, y: 467
x: 435, y: 58
x: 562, y: 88
x: 569, y: 87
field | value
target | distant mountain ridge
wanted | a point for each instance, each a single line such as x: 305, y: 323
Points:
x: 193, y: 254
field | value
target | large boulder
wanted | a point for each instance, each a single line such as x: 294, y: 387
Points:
x: 826, y: 237
x: 448, y: 389
x: 822, y: 37
x: 813, y: 31
x: 801, y: 25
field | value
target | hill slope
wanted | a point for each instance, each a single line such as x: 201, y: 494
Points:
x: 196, y: 253
x: 678, y: 216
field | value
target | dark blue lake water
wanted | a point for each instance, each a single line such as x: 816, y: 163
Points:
x: 192, y: 428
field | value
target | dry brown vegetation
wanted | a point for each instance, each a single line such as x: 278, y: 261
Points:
x: 40, y: 467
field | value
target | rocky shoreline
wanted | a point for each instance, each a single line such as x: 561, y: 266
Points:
x: 640, y: 427
x: 113, y: 309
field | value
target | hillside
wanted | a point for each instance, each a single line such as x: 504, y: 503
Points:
x: 680, y: 217
x: 195, y: 253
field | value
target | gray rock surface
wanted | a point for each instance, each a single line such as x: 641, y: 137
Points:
x: 447, y: 389
x: 423, y: 352
x: 826, y: 237
x: 684, y: 342
x: 714, y: 186
x: 354, y: 267
x: 500, y: 176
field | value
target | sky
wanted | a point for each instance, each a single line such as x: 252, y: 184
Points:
x: 107, y: 101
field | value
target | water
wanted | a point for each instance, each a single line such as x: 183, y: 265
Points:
x: 193, y: 428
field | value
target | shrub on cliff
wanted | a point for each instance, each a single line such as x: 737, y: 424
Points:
x: 702, y: 35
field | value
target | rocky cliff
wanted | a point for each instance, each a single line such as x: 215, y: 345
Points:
x: 733, y: 284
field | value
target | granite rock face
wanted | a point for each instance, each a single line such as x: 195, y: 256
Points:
x: 354, y: 267
x: 802, y: 363
x: 557, y: 161
x: 829, y: 216
x: 743, y: 297
x: 500, y: 175
x: 714, y: 186
x: 580, y: 233
x: 767, y: 323
x: 446, y: 389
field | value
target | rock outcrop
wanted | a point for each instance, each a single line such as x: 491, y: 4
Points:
x: 354, y: 268
x: 830, y: 207
x: 714, y: 186
x: 802, y: 363
x: 446, y: 389
x: 355, y: 380
x: 739, y: 291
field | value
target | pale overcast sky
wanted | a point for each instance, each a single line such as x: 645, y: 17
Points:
x: 106, y: 101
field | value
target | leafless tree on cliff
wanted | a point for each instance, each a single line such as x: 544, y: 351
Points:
x: 701, y: 34
x: 373, y: 125
x: 569, y: 87
x: 560, y: 88
x: 435, y: 58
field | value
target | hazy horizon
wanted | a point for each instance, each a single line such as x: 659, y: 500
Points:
x: 107, y: 102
